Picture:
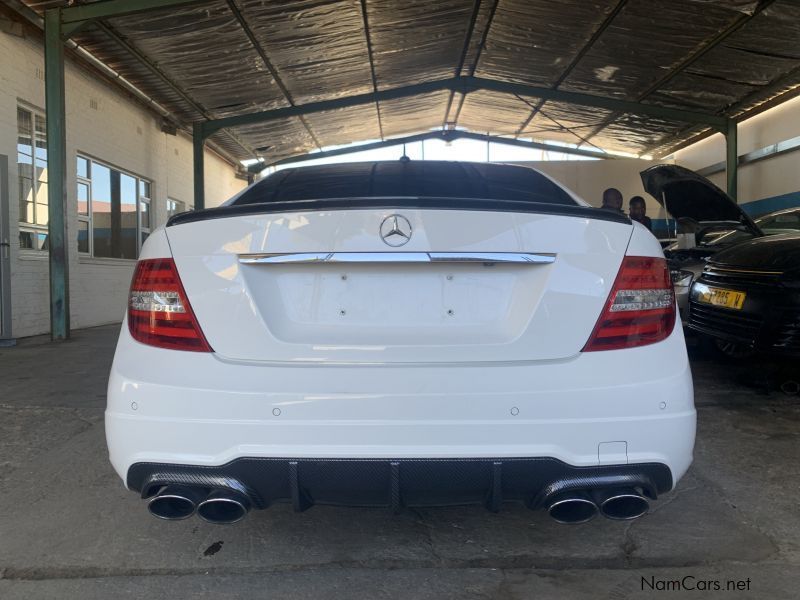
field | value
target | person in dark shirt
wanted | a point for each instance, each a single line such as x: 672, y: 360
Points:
x: 612, y: 200
x: 637, y: 210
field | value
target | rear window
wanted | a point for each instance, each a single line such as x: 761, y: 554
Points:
x: 405, y: 179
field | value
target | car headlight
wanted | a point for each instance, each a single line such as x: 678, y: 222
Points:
x: 681, y: 278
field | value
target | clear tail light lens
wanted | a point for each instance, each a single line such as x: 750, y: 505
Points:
x: 159, y: 313
x: 640, y: 309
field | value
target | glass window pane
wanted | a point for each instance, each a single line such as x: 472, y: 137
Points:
x: 33, y: 240
x: 41, y: 126
x: 83, y: 199
x: 25, y: 200
x: 24, y: 122
x: 26, y: 240
x: 101, y: 210
x: 24, y: 136
x: 25, y: 168
x: 83, y: 237
x: 41, y: 171
x: 24, y: 151
x: 32, y: 167
x: 83, y: 167
x: 42, y: 216
x: 40, y: 159
x: 41, y: 193
x: 41, y: 141
x: 144, y: 207
x: 113, y: 199
x: 128, y: 242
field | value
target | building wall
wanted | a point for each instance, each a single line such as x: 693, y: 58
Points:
x: 764, y: 186
x: 589, y: 178
x: 105, y: 124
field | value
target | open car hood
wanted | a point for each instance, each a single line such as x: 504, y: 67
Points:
x: 685, y: 194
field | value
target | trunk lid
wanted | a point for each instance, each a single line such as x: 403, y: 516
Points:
x: 437, y: 298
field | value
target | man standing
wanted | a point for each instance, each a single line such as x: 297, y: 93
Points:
x: 612, y: 200
x: 637, y: 211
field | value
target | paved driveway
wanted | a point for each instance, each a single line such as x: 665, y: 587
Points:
x: 69, y: 529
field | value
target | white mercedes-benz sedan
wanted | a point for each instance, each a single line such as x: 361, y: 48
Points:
x: 401, y: 334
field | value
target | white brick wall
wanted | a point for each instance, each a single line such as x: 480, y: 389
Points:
x: 118, y: 132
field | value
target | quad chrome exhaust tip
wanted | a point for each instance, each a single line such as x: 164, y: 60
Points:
x: 581, y: 506
x: 174, y: 502
x: 621, y: 504
x: 571, y: 507
x: 224, y: 507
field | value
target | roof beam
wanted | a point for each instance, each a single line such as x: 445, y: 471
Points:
x: 155, y: 70
x: 342, y: 151
x: 465, y: 85
x: 463, y: 57
x: 447, y: 136
x: 570, y: 130
x: 699, y: 52
x: 211, y: 126
x: 779, y: 90
x: 270, y: 67
x: 25, y: 11
x: 769, y: 96
x: 368, y: 37
x: 112, y: 77
x: 496, y: 139
x: 575, y: 60
x: 108, y: 9
x: 478, y: 51
x: 705, y: 48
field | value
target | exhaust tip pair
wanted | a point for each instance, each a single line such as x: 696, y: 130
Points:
x: 620, y: 504
x: 176, y: 502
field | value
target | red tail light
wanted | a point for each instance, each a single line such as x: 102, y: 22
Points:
x: 640, y: 309
x: 159, y: 313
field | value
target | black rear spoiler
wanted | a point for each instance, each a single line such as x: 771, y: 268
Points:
x: 477, y: 204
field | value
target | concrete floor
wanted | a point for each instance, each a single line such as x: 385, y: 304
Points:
x: 68, y: 528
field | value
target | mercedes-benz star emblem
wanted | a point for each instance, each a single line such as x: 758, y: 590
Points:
x: 395, y: 230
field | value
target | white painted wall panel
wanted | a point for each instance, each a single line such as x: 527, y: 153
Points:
x: 118, y: 132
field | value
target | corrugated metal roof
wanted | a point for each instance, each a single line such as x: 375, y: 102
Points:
x: 233, y: 57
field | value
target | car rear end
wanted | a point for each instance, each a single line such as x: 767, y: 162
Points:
x: 400, y: 350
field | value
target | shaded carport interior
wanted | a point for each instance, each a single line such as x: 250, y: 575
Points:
x: 275, y: 80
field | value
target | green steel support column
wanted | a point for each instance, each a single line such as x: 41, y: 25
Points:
x: 56, y: 175
x: 198, y: 141
x: 732, y: 158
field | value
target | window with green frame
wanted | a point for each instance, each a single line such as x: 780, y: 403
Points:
x: 114, y: 210
x: 32, y: 178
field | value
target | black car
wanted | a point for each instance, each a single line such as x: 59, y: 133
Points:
x: 749, y: 296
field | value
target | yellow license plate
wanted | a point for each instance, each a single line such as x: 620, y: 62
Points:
x: 720, y: 297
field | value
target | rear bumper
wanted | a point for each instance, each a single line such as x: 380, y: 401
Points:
x: 402, y: 482
x: 628, y: 407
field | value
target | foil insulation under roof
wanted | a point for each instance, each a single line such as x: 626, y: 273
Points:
x: 220, y: 58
